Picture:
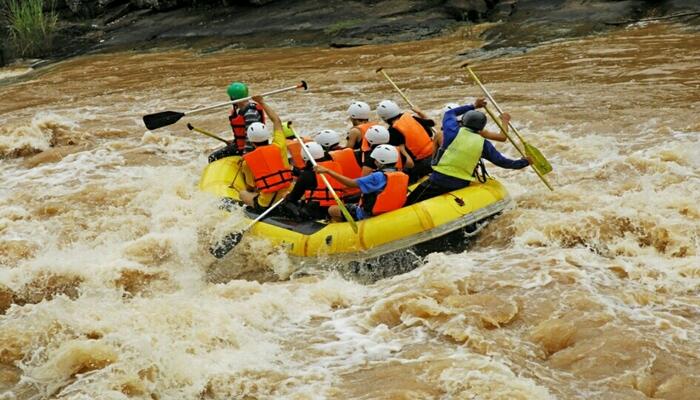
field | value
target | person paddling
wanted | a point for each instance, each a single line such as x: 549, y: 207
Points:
x: 463, y: 150
x: 242, y: 115
x: 375, y: 136
x: 266, y: 169
x: 412, y: 134
x: 348, y: 158
x: 310, y: 186
x: 453, y: 125
x: 383, y: 190
x: 359, y: 113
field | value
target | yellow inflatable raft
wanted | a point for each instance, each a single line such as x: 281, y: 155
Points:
x: 386, y: 233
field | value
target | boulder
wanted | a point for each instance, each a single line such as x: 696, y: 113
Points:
x: 467, y: 10
x: 159, y: 5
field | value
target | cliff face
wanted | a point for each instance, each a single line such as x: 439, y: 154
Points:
x: 89, y: 25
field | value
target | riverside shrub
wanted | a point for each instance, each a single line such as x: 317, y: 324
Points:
x: 30, y: 25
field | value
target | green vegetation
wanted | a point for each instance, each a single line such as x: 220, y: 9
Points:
x: 31, y: 28
x: 339, y: 26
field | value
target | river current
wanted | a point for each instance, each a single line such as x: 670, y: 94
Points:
x: 590, y: 291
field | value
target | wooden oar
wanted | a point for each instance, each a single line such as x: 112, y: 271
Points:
x: 339, y: 202
x: 540, y: 162
x: 381, y: 69
x: 203, y: 132
x: 224, y: 246
x: 161, y: 119
x: 510, y: 139
x: 405, y: 98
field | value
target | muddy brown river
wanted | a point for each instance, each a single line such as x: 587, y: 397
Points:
x: 587, y: 292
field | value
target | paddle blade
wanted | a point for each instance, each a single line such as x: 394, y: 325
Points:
x: 540, y: 162
x: 348, y: 217
x: 225, y: 245
x: 161, y: 119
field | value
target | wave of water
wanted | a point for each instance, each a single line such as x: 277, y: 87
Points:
x: 107, y: 289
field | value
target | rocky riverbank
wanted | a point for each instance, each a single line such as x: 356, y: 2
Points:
x: 103, y: 25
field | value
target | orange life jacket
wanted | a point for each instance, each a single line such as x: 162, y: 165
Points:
x: 270, y: 173
x: 241, y: 119
x: 295, y: 151
x: 418, y: 142
x: 321, y: 194
x: 364, y: 146
x: 391, y: 198
x: 350, y: 167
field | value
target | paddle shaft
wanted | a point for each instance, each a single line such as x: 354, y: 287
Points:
x: 287, y: 89
x: 405, y: 98
x: 522, y: 153
x: 343, y: 209
x: 203, y: 132
x: 263, y: 215
x: 493, y: 101
x: 397, y: 88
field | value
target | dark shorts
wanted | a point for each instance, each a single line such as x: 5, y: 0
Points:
x: 420, y: 169
x: 356, y: 212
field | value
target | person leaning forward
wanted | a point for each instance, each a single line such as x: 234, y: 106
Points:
x: 267, y: 173
x: 383, y: 190
x: 310, y: 186
x: 412, y: 134
x: 462, y: 151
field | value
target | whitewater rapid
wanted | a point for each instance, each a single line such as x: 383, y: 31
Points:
x: 590, y: 291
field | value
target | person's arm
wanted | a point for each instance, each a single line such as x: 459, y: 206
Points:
x: 409, y: 161
x: 278, y: 137
x: 437, y: 142
x: 499, y: 136
x: 248, y: 176
x: 354, y: 136
x: 490, y: 153
x: 276, y: 122
x: 450, y: 123
x: 420, y: 113
x: 349, y: 182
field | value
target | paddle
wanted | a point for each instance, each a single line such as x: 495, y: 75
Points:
x: 539, y: 161
x: 161, y: 119
x: 510, y: 139
x: 405, y: 98
x: 342, y: 207
x: 203, y: 132
x: 227, y: 244
x: 381, y: 69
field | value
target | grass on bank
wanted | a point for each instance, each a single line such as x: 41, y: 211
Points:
x: 30, y: 27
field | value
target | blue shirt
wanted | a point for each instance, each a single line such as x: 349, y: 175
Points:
x: 450, y: 129
x: 451, y: 125
x: 372, y: 183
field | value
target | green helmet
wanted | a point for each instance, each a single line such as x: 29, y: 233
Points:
x: 237, y: 90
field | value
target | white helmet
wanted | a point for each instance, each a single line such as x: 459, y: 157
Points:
x: 387, y: 109
x: 257, y: 132
x: 314, y: 149
x: 359, y: 110
x: 327, y: 138
x: 385, y: 154
x: 377, y: 134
